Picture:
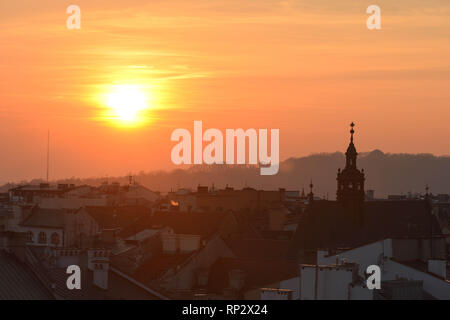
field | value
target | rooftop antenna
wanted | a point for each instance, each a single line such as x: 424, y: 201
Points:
x: 48, y: 152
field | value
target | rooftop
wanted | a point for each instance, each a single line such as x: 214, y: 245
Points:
x: 47, y: 218
x: 18, y: 281
x: 257, y: 274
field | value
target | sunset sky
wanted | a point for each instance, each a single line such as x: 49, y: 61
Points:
x: 306, y: 67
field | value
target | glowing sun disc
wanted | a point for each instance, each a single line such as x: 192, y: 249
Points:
x: 126, y: 103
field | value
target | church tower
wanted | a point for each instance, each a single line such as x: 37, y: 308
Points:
x: 350, y: 183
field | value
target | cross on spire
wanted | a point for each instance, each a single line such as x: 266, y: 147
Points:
x: 352, y: 131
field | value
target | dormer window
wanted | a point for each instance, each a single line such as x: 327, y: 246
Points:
x: 30, y: 236
x: 55, y: 239
x: 42, y: 237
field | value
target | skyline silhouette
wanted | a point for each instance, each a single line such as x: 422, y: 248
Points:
x: 387, y: 174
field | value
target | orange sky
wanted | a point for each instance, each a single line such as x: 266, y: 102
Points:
x: 305, y: 67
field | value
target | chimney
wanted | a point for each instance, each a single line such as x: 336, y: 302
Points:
x: 370, y: 194
x: 202, y: 189
x: 101, y: 268
x: 169, y: 243
x: 321, y: 254
x: 66, y: 257
x: 43, y: 185
x: 236, y: 279
x: 97, y: 255
x: 188, y: 242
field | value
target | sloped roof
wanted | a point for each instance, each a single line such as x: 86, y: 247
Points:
x: 423, y: 266
x: 117, y: 216
x: 87, y: 292
x: 18, y: 282
x: 203, y: 224
x: 328, y: 225
x: 259, y: 249
x: 159, y: 265
x: 257, y: 274
x: 47, y: 218
x: 118, y: 287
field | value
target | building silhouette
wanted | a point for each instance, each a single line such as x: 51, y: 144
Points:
x: 352, y: 221
x: 350, y: 183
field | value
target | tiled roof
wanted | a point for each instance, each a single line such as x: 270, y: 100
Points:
x: 328, y: 225
x: 203, y: 224
x: 116, y: 216
x: 87, y: 292
x: 18, y: 282
x: 118, y: 287
x: 158, y: 266
x: 49, y: 218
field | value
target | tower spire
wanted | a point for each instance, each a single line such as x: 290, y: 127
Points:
x: 352, y: 131
x: 351, y: 153
x: 311, y: 194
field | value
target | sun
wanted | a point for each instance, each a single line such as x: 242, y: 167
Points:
x: 127, y: 104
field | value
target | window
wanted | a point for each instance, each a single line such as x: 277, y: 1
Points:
x: 42, y: 237
x: 55, y: 239
x: 30, y: 236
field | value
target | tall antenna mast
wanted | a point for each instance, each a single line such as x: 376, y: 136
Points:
x: 48, y: 151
